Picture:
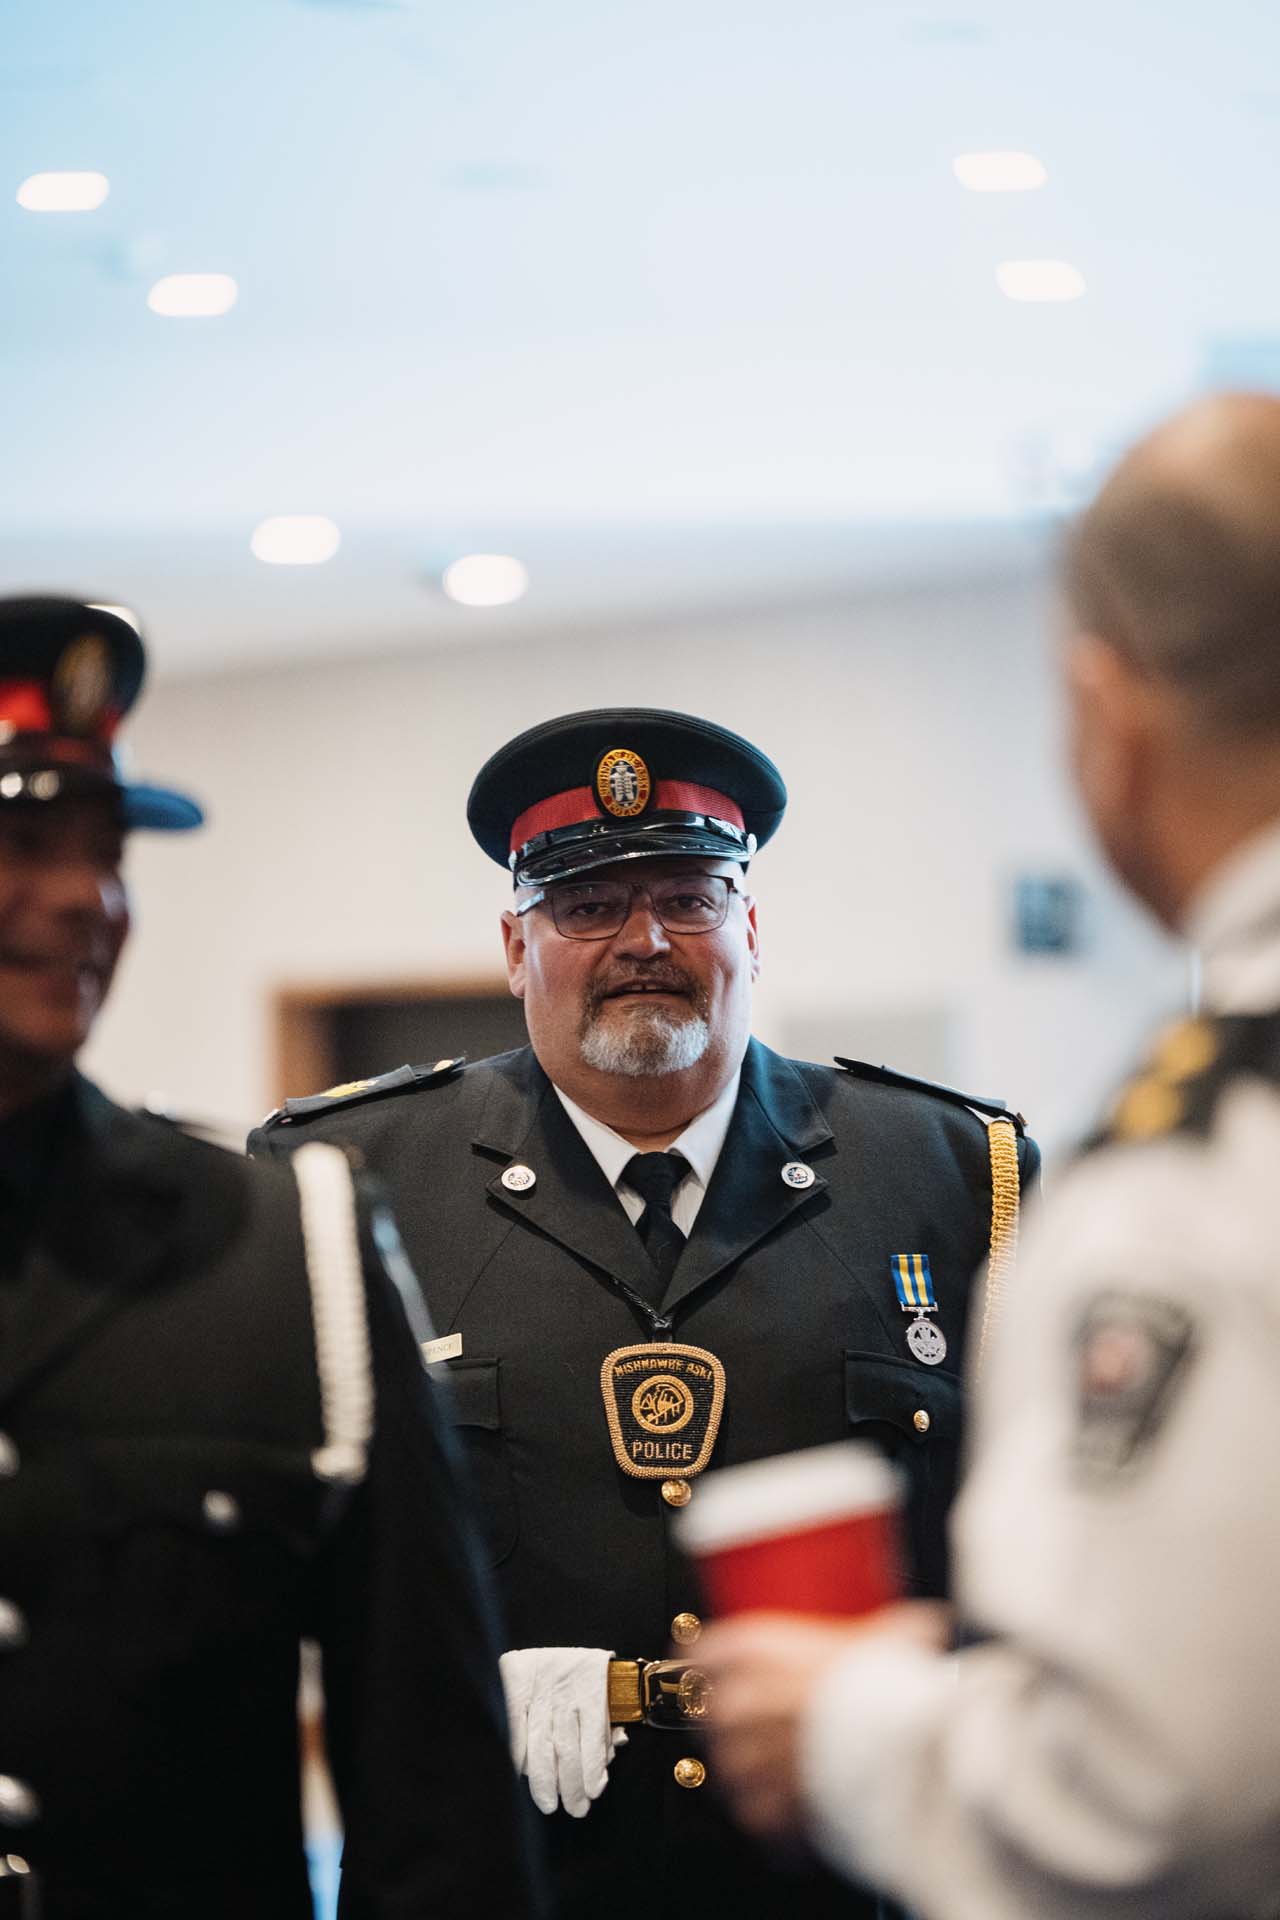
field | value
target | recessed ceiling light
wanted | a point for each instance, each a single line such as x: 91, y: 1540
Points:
x: 63, y: 192
x: 121, y: 613
x: 485, y: 580
x: 296, y: 540
x: 193, y: 296
x: 999, y: 172
x: 1039, y: 280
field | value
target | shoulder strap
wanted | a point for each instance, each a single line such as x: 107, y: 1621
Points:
x: 339, y: 1312
x: 886, y: 1077
x: 399, y: 1080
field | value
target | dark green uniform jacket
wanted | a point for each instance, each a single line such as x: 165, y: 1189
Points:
x: 789, y: 1286
x: 165, y: 1538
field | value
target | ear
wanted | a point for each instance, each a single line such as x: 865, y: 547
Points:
x: 1115, y: 713
x: 753, y: 936
x: 514, y: 947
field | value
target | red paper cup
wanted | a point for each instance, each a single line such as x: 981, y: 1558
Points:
x: 812, y: 1532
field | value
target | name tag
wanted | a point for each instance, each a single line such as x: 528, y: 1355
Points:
x: 447, y: 1348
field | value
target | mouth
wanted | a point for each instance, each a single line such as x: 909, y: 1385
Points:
x: 57, y: 969
x: 645, y: 990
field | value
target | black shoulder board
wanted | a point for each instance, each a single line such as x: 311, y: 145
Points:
x: 1188, y: 1069
x: 399, y: 1080
x: 885, y: 1077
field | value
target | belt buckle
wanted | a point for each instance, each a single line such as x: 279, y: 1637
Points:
x: 675, y: 1695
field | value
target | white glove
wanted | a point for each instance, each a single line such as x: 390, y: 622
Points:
x: 558, y: 1709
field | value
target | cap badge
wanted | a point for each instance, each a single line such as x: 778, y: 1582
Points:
x: 623, y: 785
x: 81, y: 684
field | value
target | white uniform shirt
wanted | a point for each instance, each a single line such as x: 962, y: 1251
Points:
x: 1114, y: 1749
x: 700, y: 1143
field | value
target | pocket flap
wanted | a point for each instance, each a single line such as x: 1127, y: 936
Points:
x: 471, y: 1399
x: 877, y: 1386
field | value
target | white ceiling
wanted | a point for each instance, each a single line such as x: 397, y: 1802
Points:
x: 677, y: 299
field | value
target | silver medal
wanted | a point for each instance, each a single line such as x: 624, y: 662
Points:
x: 927, y: 1342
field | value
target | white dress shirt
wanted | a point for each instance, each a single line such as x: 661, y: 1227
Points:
x: 700, y: 1143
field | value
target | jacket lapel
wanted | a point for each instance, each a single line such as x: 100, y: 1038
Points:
x: 774, y: 1121
x: 106, y: 1230
x: 570, y: 1201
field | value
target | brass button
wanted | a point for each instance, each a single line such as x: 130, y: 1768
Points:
x: 686, y: 1629
x: 921, y: 1421
x: 677, y: 1493
x: 221, y: 1511
x: 689, y: 1773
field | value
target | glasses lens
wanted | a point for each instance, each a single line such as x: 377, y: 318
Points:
x: 691, y: 902
x: 597, y: 909
x: 589, y: 910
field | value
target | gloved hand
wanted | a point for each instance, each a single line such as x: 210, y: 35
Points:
x: 558, y: 1709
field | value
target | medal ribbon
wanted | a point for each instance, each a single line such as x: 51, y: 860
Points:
x: 913, y: 1281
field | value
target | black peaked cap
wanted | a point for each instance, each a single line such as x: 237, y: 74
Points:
x: 69, y: 673
x: 622, y: 783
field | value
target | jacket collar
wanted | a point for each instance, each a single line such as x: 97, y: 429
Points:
x: 775, y: 1121
x: 114, y: 1220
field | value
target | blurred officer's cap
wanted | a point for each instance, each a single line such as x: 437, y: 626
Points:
x: 69, y: 672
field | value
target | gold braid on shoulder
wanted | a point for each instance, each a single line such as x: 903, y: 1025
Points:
x: 1002, y: 1143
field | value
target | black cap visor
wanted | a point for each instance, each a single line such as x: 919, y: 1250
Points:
x: 569, y: 851
x: 40, y: 780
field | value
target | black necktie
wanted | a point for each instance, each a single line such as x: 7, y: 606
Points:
x: 655, y: 1177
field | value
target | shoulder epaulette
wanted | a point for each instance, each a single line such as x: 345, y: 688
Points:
x: 885, y: 1077
x: 400, y: 1080
x: 1187, y: 1070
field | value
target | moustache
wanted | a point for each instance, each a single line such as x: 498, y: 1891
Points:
x: 656, y: 979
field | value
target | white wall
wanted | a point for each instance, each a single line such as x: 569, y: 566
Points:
x: 916, y: 731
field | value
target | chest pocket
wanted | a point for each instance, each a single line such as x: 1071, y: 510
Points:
x: 474, y: 1405
x: 913, y: 1414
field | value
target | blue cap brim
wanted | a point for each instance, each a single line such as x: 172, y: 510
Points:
x: 160, y: 809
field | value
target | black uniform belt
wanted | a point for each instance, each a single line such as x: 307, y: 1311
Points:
x: 660, y: 1693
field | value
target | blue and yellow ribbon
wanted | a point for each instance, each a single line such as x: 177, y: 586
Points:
x: 913, y: 1281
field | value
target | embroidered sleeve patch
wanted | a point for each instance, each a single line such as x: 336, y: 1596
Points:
x: 1132, y: 1353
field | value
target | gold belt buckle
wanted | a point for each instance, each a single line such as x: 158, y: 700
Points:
x: 669, y: 1694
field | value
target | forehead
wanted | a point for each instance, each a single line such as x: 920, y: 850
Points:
x: 64, y: 818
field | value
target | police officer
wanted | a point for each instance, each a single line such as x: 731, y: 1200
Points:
x: 652, y: 1245
x: 1112, y: 1747
x: 217, y: 1436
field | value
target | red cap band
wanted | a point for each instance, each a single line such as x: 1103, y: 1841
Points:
x: 24, y: 706
x: 578, y: 805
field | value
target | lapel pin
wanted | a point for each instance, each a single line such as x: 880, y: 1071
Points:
x: 796, y: 1174
x: 518, y: 1179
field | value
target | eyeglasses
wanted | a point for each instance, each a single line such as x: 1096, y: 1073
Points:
x: 597, y: 909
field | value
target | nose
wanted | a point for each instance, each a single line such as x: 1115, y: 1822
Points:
x: 642, y: 933
x: 84, y: 887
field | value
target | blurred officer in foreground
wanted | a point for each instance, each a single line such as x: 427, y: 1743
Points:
x: 651, y: 1245
x: 218, y: 1436
x: 1112, y: 1748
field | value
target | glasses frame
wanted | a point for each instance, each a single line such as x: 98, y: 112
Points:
x: 543, y: 898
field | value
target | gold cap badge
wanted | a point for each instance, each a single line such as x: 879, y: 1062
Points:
x: 623, y: 785
x: 81, y: 683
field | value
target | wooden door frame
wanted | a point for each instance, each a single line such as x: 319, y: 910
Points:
x: 301, y: 1019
